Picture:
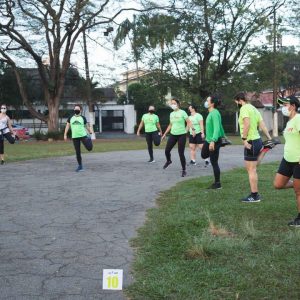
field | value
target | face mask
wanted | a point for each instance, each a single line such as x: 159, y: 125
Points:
x: 173, y: 106
x: 206, y: 104
x: 76, y: 111
x: 3, y: 110
x: 151, y: 111
x: 285, y: 111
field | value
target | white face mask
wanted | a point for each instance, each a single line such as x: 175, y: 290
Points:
x: 3, y: 110
x: 285, y: 111
x: 173, y: 106
x: 206, y: 104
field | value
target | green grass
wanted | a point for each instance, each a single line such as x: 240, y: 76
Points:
x: 200, y: 244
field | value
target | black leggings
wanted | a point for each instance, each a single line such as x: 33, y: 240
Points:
x: 214, y: 157
x: 10, y: 139
x: 87, y: 144
x: 172, y: 140
x: 152, y: 137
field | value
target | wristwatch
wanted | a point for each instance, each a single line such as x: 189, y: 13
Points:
x: 193, y: 129
x: 244, y: 139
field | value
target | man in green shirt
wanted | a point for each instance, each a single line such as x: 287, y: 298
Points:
x: 151, y: 123
x: 250, y: 120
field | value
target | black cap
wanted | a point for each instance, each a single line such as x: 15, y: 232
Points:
x: 291, y: 99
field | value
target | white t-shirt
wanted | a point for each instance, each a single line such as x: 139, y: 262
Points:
x: 4, y: 125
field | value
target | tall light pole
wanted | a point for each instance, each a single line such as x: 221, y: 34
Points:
x: 275, y: 87
x: 88, y: 87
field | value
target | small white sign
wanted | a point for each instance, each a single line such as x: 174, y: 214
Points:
x: 112, y: 279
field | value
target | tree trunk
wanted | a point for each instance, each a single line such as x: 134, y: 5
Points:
x: 53, y: 115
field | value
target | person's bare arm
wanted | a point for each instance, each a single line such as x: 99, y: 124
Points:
x: 263, y: 127
x: 66, y: 131
x: 140, y: 127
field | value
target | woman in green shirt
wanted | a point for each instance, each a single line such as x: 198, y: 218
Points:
x: 197, y: 140
x: 214, y: 132
x: 79, y: 128
x: 151, y: 123
x: 290, y: 164
x: 177, y: 126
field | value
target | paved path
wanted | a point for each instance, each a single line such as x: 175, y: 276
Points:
x: 59, y: 229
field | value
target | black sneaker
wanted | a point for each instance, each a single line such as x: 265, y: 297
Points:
x: 150, y: 161
x: 215, y: 186
x: 167, y: 164
x: 2, y: 162
x: 193, y: 163
x: 207, y: 164
x: 251, y: 199
x: 183, y: 173
x: 295, y: 223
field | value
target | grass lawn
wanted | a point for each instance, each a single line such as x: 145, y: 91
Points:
x: 201, y: 244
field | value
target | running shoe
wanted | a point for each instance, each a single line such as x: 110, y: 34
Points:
x: 193, y: 163
x: 215, y: 186
x: 150, y: 161
x: 2, y: 162
x: 251, y: 198
x: 183, y: 173
x: 79, y: 168
x: 207, y: 164
x: 295, y: 223
x: 166, y: 165
x: 270, y: 144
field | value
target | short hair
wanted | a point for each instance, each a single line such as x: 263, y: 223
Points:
x: 193, y: 107
x: 215, y: 99
x: 175, y: 99
x: 294, y: 101
x: 240, y: 96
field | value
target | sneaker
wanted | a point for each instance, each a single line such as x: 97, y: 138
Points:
x: 251, y: 198
x: 79, y: 168
x: 215, y: 186
x: 295, y: 223
x: 2, y: 162
x: 193, y: 163
x: 167, y: 164
x: 183, y: 173
x: 150, y: 161
x: 207, y: 164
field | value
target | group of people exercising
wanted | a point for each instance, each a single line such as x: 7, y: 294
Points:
x: 208, y: 138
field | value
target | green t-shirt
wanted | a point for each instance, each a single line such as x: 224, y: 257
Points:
x: 177, y: 119
x: 150, y: 121
x: 195, y: 119
x: 291, y: 134
x: 213, y: 125
x: 77, y: 124
x: 249, y: 111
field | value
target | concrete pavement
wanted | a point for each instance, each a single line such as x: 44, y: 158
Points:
x: 59, y: 229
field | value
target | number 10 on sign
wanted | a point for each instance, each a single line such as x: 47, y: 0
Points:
x: 112, y: 279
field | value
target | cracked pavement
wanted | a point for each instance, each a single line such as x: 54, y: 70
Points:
x: 59, y: 229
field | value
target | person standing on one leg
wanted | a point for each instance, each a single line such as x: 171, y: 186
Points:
x: 79, y: 128
x: 250, y: 120
x: 197, y: 140
x: 214, y: 132
x: 6, y: 131
x: 152, y: 126
x: 177, y: 126
x: 290, y: 164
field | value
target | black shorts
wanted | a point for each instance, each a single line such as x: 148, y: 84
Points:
x: 197, y: 139
x: 289, y: 169
x: 252, y: 154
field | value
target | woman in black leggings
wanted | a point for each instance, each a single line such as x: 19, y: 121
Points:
x: 6, y: 131
x: 177, y: 126
x: 214, y: 132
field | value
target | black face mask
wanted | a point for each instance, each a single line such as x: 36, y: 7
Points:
x: 76, y: 111
x: 239, y: 106
x: 151, y: 111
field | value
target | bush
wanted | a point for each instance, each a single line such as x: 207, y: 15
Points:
x: 55, y: 135
x: 40, y: 136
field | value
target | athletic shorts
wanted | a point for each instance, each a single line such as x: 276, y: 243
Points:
x: 197, y: 139
x: 252, y: 154
x: 289, y: 169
